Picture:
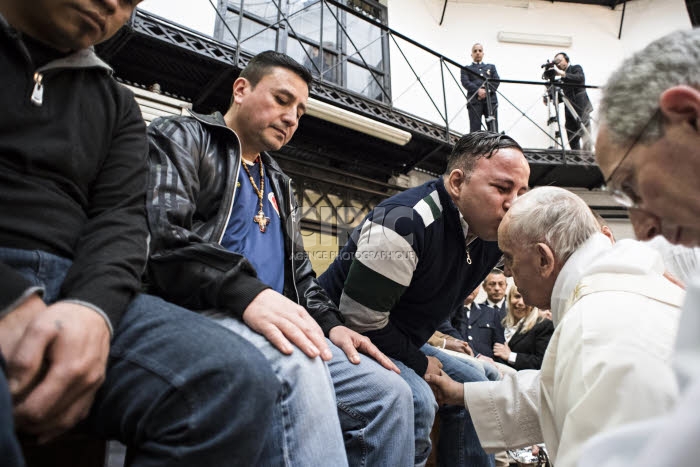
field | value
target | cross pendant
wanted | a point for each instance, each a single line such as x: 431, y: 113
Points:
x: 261, y: 220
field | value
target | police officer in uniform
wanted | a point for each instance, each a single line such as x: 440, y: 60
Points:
x: 481, y: 84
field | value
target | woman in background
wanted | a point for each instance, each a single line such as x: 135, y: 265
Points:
x: 527, y: 335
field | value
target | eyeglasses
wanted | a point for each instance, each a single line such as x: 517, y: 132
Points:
x: 618, y: 195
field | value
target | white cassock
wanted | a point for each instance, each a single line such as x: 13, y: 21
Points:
x: 672, y: 440
x: 607, y: 364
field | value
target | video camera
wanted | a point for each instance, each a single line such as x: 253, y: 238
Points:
x: 549, y: 72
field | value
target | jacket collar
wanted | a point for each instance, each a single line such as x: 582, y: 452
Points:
x: 449, y: 207
x: 598, y: 255
x: 85, y: 58
x: 216, y: 119
x: 475, y: 312
x: 453, y: 217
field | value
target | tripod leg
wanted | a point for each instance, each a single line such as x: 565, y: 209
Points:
x: 579, y: 128
x: 556, y: 94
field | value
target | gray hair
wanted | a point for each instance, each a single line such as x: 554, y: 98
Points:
x: 554, y: 216
x: 631, y: 95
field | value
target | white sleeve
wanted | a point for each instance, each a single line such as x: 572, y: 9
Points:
x: 506, y: 413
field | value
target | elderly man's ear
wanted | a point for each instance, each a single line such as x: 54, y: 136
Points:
x: 546, y: 262
x: 681, y: 104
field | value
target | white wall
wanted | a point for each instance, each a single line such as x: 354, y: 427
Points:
x: 194, y: 14
x: 595, y: 46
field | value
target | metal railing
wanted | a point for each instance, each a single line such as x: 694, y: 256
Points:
x: 383, y: 67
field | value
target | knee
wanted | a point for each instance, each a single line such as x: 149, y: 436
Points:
x: 242, y: 372
x: 401, y: 399
x: 298, y: 370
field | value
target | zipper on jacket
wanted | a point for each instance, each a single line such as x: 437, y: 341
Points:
x: 235, y: 183
x: 292, y: 212
x: 38, y: 91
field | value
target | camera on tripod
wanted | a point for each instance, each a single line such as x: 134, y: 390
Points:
x: 549, y: 72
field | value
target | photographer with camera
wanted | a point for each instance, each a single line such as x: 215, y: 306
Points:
x: 572, y: 74
x: 481, y: 81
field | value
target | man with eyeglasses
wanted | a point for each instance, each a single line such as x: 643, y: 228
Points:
x: 648, y: 149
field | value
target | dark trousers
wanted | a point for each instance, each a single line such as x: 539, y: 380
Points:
x: 573, y: 128
x: 478, y: 108
x: 180, y: 390
x: 10, y: 452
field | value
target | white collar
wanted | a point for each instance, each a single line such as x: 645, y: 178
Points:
x: 463, y: 222
x: 598, y: 255
x: 573, y: 270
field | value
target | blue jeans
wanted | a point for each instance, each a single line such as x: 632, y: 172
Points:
x: 375, y: 406
x: 491, y: 372
x: 10, y: 452
x: 459, y: 444
x: 424, y: 408
x: 179, y: 390
x: 337, y: 413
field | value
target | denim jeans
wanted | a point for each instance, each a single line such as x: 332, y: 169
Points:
x: 337, y: 413
x: 459, y: 444
x: 491, y: 372
x: 10, y: 452
x: 375, y: 406
x: 424, y: 408
x: 179, y: 390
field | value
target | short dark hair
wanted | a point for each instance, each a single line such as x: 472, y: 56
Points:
x: 260, y: 65
x: 566, y: 57
x: 475, y: 145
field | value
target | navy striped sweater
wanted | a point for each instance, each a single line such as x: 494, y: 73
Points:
x: 404, y: 269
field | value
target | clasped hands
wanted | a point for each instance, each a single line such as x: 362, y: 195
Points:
x: 56, y: 359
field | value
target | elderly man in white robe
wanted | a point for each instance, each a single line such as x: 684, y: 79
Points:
x: 648, y: 149
x: 615, y: 316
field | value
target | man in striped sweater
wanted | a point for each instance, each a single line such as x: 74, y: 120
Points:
x: 414, y: 259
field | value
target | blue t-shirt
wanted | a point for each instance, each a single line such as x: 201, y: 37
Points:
x: 265, y: 251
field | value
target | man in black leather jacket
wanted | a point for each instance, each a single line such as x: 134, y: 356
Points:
x: 226, y: 242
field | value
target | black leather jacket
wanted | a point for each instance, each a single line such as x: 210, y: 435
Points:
x: 194, y: 163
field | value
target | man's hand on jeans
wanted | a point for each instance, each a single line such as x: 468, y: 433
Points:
x: 284, y: 323
x: 56, y: 360
x: 350, y: 342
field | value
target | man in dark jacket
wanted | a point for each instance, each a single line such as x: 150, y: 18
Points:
x: 417, y: 255
x: 578, y: 97
x: 478, y: 324
x: 481, y: 81
x: 225, y: 237
x: 73, y: 245
x: 495, y: 286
